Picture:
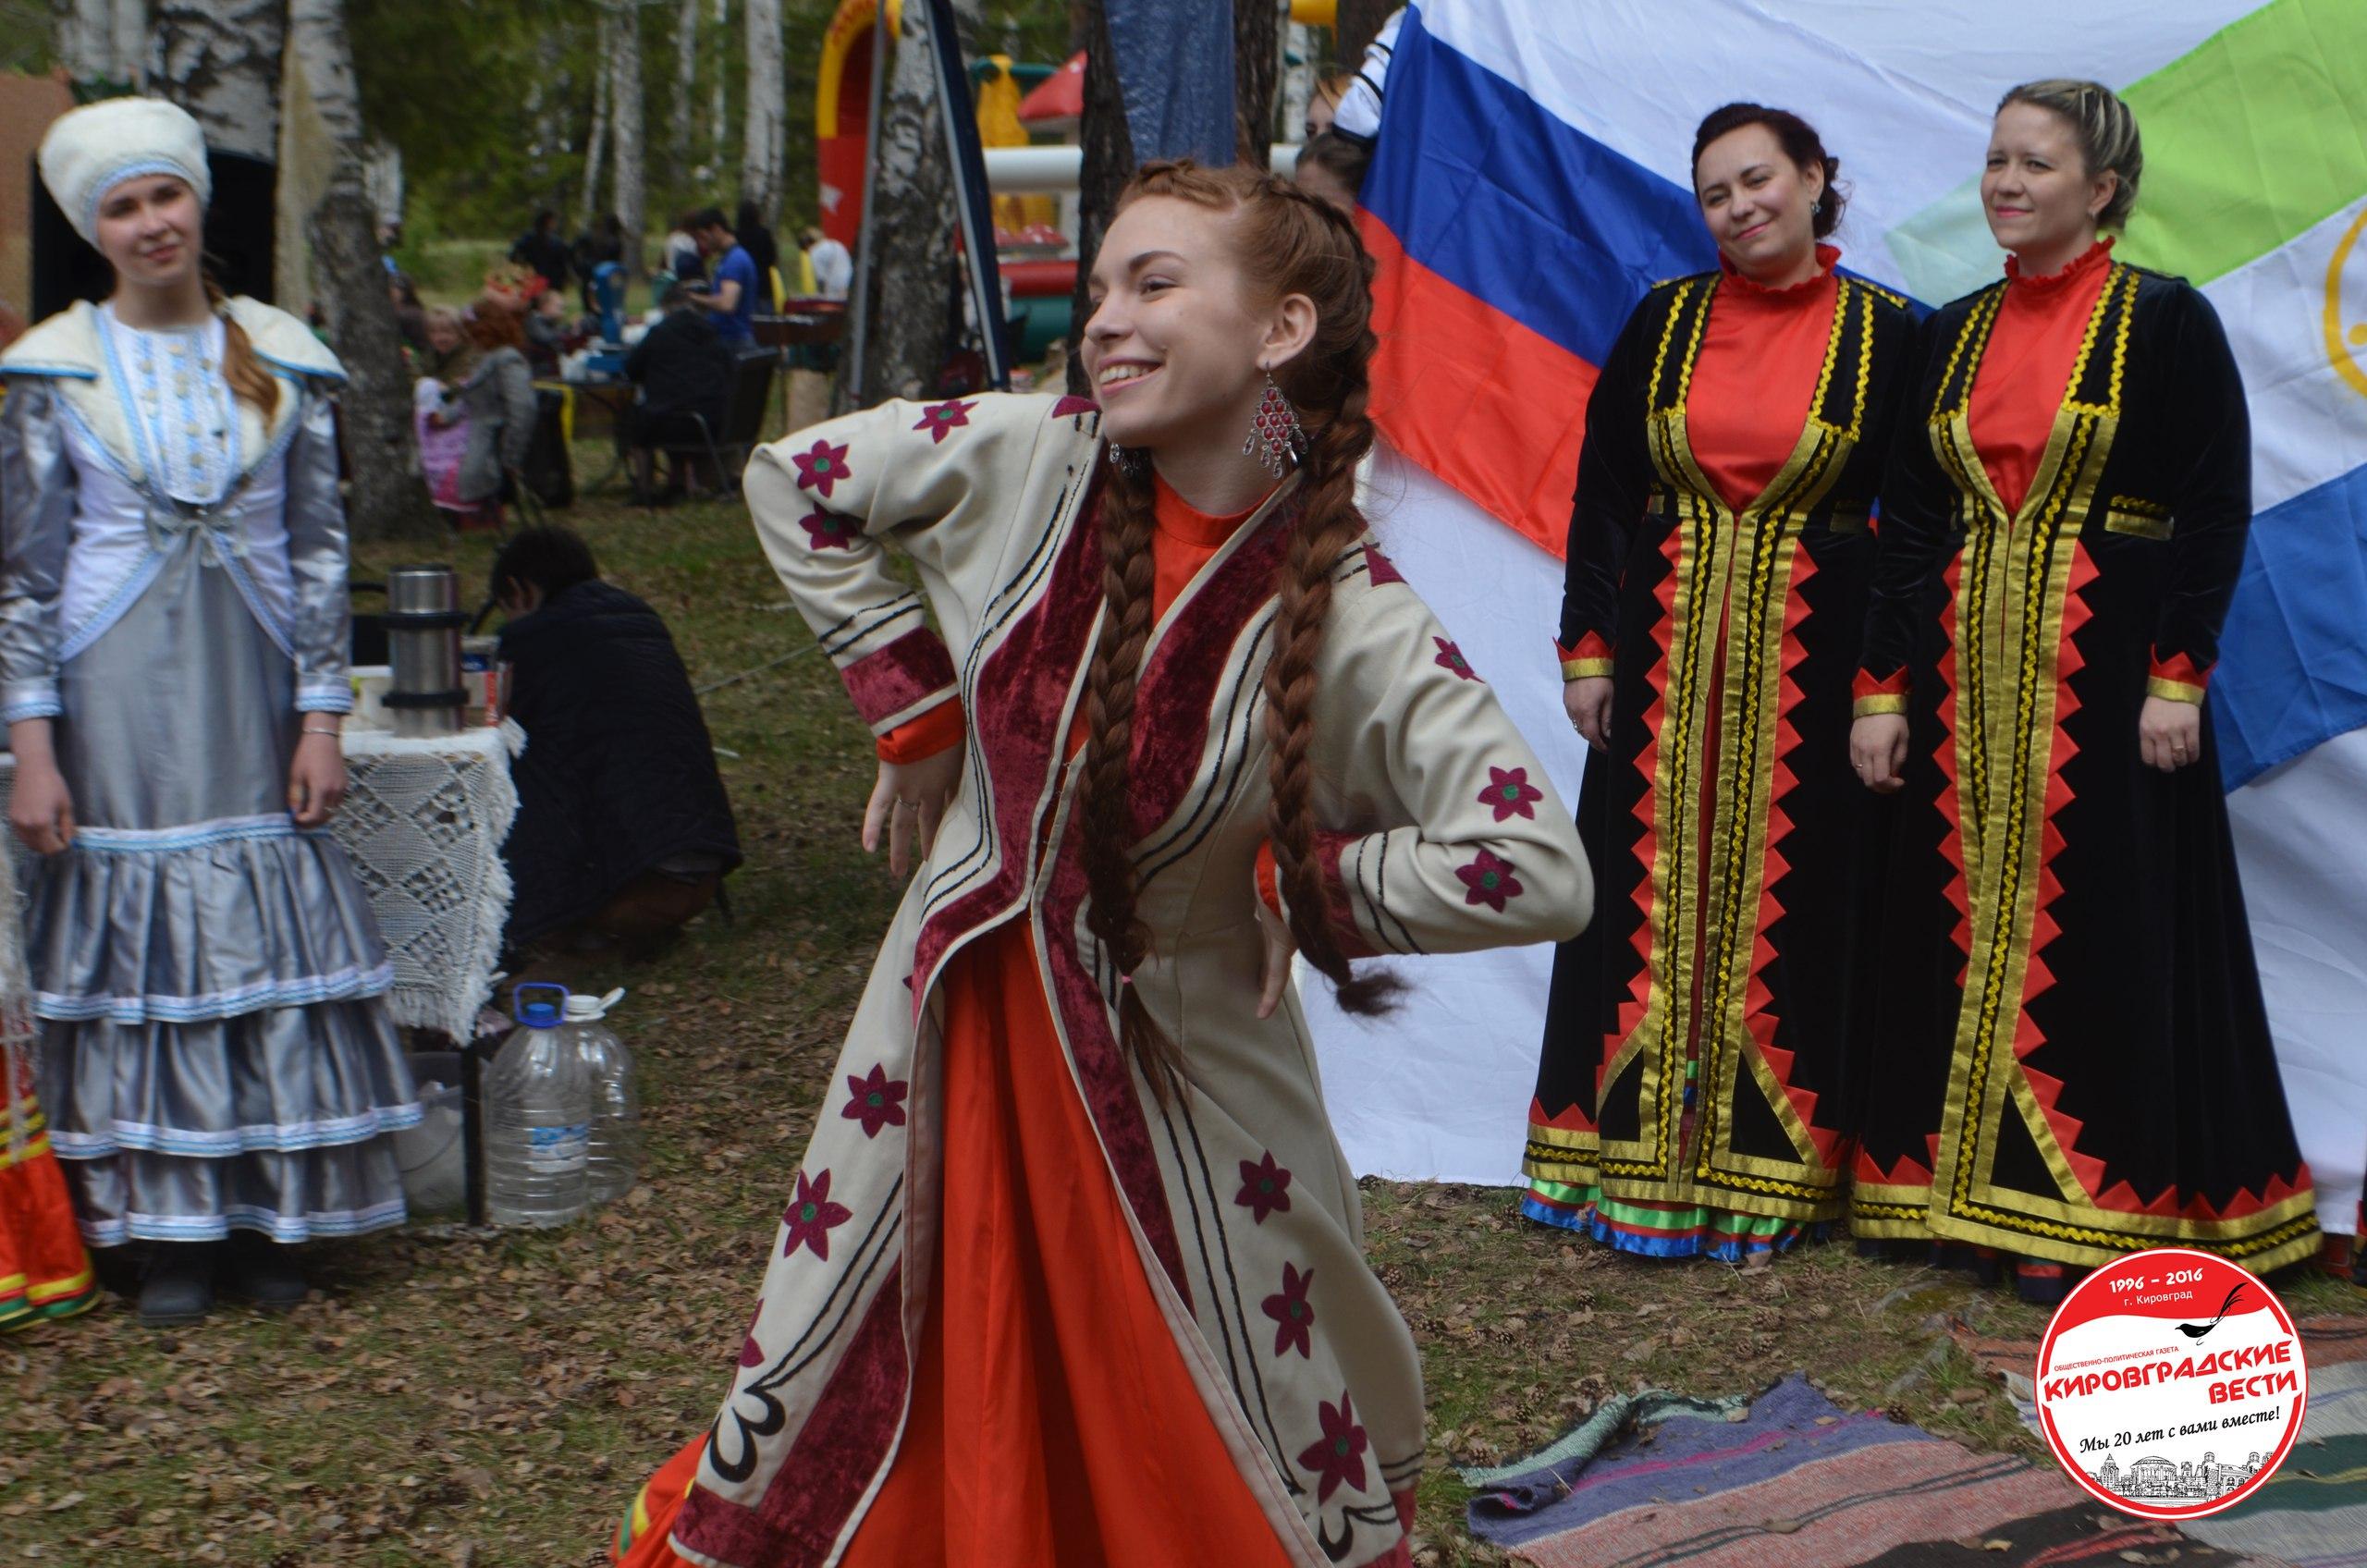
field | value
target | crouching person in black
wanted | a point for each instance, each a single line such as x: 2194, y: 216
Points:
x: 684, y: 372
x: 624, y: 831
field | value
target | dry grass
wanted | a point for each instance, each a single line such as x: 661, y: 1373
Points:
x: 494, y: 1400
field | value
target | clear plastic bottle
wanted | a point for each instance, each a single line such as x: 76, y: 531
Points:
x: 615, y: 1151
x: 537, y: 1114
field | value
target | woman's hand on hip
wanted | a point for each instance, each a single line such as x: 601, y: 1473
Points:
x: 909, y: 800
x: 2169, y: 733
x: 316, y: 778
x: 1587, y: 702
x: 1877, y: 751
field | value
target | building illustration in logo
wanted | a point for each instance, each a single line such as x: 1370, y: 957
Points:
x: 2158, y: 1479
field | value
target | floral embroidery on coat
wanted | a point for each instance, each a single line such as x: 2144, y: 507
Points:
x: 812, y: 1216
x: 1488, y: 880
x: 1293, y: 1319
x: 1510, y: 793
x: 940, y: 418
x: 878, y: 1101
x: 1265, y: 1189
x: 1340, y: 1455
x: 828, y: 531
x: 1450, y: 657
x: 821, y: 468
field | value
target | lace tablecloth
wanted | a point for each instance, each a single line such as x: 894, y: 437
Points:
x: 423, y: 822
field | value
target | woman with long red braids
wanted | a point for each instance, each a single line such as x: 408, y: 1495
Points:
x: 1071, y: 1272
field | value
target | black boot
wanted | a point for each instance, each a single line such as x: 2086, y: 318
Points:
x: 179, y: 1284
x: 266, y: 1272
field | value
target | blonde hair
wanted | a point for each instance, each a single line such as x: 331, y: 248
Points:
x: 2107, y: 130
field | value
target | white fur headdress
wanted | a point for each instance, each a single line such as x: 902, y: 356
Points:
x: 91, y: 149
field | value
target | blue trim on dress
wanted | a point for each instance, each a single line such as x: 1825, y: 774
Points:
x: 342, y: 985
x: 45, y: 707
x: 292, y: 1137
x: 193, y: 835
x: 244, y: 1217
x: 33, y: 367
x: 100, y: 621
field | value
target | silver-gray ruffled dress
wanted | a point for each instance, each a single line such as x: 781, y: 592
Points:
x: 215, y: 1048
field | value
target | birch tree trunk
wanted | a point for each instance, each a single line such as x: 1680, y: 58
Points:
x: 720, y: 110
x: 596, y: 145
x: 220, y: 60
x: 686, y: 86
x: 104, y: 45
x: 911, y: 321
x: 1257, y: 60
x: 388, y: 497
x: 1108, y: 163
x: 625, y: 110
x: 763, y: 127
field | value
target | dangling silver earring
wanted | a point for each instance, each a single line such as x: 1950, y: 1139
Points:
x: 1127, y: 460
x: 1276, y: 438
x: 1816, y: 208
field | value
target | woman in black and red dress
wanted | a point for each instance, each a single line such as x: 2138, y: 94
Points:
x: 2075, y: 1062
x: 1692, y: 1095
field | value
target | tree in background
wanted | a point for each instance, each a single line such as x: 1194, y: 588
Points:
x: 1108, y: 163
x: 102, y: 44
x: 388, y: 497
x: 627, y: 146
x: 912, y: 226
x: 220, y: 60
x: 1256, y: 65
x: 1358, y: 24
x: 764, y: 127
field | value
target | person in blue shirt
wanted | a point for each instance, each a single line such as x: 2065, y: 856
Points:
x: 731, y: 293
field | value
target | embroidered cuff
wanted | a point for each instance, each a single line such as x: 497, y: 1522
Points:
x: 898, y: 682
x: 939, y: 730
x: 1887, y: 694
x: 2178, y: 677
x: 1591, y: 658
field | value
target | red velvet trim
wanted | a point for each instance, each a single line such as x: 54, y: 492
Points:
x: 1104, y: 1076
x: 1021, y: 698
x: 1352, y: 940
x: 834, y: 1456
x: 2181, y: 668
x: 916, y: 739
x: 1383, y: 571
x: 889, y: 679
x: 1269, y: 890
x: 1072, y: 406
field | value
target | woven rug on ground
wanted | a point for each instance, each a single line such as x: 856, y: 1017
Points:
x: 1792, y: 1481
x: 2312, y: 1514
x: 2336, y: 1339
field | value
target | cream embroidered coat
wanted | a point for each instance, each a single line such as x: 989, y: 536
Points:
x: 1441, y: 834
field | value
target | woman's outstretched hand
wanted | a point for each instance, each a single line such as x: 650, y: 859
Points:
x: 908, y: 802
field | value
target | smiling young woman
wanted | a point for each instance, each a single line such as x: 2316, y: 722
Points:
x: 1071, y: 1275
x: 1692, y: 1095
x: 2076, y: 1061
x: 173, y: 626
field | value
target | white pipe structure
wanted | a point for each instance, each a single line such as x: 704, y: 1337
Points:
x: 1038, y: 170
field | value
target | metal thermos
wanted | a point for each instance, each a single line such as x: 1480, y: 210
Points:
x: 423, y: 622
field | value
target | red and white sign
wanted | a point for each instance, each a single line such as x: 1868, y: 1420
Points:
x: 2171, y: 1384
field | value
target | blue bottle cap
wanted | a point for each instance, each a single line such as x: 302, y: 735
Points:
x: 539, y: 1013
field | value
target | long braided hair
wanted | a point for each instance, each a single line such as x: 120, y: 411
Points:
x: 1288, y: 243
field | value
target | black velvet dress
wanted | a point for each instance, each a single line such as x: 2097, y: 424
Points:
x: 2072, y: 1058
x: 1695, y: 1088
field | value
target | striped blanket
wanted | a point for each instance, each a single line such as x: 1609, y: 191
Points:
x: 1792, y: 1481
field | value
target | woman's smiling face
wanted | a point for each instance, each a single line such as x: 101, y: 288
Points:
x: 1176, y: 335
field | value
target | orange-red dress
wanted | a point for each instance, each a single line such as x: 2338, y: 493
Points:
x: 1049, y: 1386
x: 44, y: 1271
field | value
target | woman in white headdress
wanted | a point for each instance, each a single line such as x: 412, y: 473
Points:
x: 214, y: 1060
